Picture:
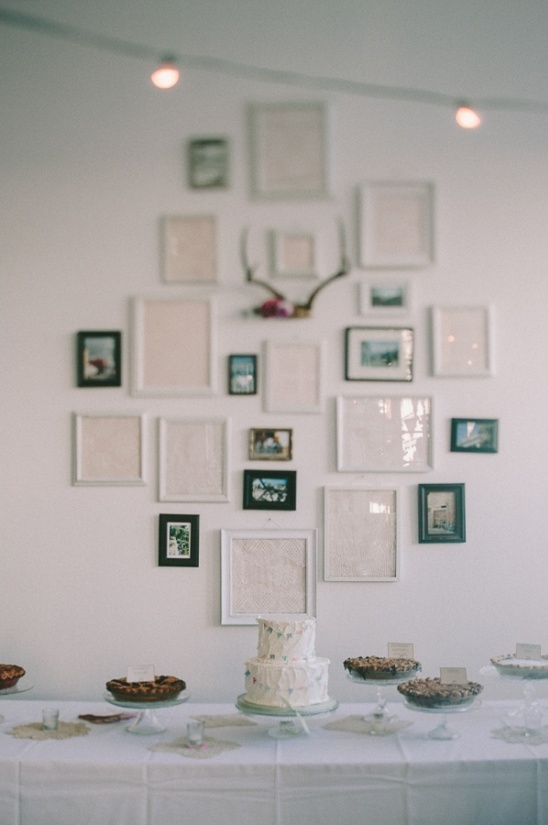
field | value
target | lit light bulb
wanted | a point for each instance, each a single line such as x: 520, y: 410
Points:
x: 466, y: 117
x: 166, y: 76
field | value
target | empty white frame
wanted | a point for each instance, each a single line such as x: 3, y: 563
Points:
x: 360, y: 534
x: 462, y: 342
x: 194, y: 459
x: 396, y: 224
x: 293, y: 254
x: 267, y: 572
x: 108, y: 449
x: 174, y: 347
x: 189, y: 248
x: 289, y: 150
x: 294, y: 377
x: 384, y: 434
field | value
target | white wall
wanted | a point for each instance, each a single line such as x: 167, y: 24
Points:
x: 92, y: 156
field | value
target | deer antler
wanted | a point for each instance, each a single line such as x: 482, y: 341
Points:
x: 250, y: 270
x: 344, y: 269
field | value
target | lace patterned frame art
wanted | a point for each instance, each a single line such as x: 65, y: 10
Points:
x: 193, y: 459
x: 267, y: 572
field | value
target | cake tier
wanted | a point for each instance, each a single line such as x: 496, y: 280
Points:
x: 288, y: 640
x: 298, y: 684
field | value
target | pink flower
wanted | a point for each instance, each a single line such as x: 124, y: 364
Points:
x: 275, y: 308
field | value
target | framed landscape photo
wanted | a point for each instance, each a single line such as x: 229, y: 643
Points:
x: 462, y: 341
x: 208, y: 163
x: 474, y: 435
x: 99, y: 358
x: 194, y: 459
x: 242, y: 374
x: 378, y: 354
x: 270, y: 445
x: 109, y: 449
x: 179, y: 541
x: 385, y: 299
x: 441, y: 513
x: 189, y: 249
x: 267, y: 572
x: 270, y: 490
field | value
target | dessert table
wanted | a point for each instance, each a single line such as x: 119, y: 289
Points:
x: 110, y: 776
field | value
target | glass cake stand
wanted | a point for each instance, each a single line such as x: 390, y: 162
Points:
x: 527, y: 717
x: 146, y: 721
x: 379, y: 716
x: 20, y: 687
x: 286, y: 728
x: 442, y: 731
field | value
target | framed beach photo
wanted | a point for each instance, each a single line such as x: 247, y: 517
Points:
x: 378, y: 354
x: 99, y: 358
x: 270, y: 490
x: 441, y: 513
x: 242, y: 374
x: 385, y: 299
x: 179, y: 541
x: 270, y: 445
x: 208, y: 163
x: 474, y: 435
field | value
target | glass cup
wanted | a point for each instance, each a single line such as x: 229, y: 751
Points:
x: 195, y: 732
x: 50, y: 719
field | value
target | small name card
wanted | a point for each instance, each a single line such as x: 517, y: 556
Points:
x: 140, y: 673
x: 453, y: 676
x: 528, y: 651
x: 400, y: 650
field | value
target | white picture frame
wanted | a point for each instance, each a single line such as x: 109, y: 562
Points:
x: 189, y: 249
x: 194, y: 459
x: 361, y: 534
x: 267, y: 573
x: 396, y: 224
x: 379, y: 354
x: 381, y: 298
x: 174, y: 349
x: 384, y: 434
x: 109, y: 449
x: 289, y: 150
x: 294, y: 377
x: 293, y: 253
x: 462, y: 342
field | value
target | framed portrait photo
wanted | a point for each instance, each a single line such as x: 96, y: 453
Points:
x: 242, y: 374
x: 441, y: 513
x: 99, y: 358
x: 179, y: 541
x: 270, y: 445
x: 378, y: 354
x: 474, y: 435
x: 270, y: 489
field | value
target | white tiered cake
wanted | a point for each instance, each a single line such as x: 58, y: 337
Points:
x: 286, y: 670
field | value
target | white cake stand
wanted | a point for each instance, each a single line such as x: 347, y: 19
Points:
x: 20, y: 687
x: 379, y: 716
x: 146, y: 721
x: 286, y: 729
x: 442, y: 731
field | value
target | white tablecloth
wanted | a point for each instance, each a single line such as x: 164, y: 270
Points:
x: 111, y: 777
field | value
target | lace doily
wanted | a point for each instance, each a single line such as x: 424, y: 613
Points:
x: 518, y: 736
x: 224, y: 720
x: 34, y: 730
x: 362, y: 724
x: 209, y: 748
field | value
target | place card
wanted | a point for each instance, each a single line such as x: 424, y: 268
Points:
x: 400, y: 650
x: 528, y: 651
x: 453, y: 676
x: 140, y: 673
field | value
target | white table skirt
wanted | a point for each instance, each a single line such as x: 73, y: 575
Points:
x: 111, y: 777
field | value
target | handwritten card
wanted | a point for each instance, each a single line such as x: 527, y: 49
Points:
x: 453, y: 676
x: 140, y: 673
x: 400, y: 650
x: 528, y: 651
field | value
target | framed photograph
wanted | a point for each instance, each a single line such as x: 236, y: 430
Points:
x: 384, y: 434
x: 474, y: 435
x: 189, y: 249
x: 242, y: 374
x: 385, y: 299
x: 179, y: 541
x: 108, y: 449
x: 194, y: 459
x: 289, y: 150
x: 270, y: 445
x: 441, y: 513
x: 293, y: 254
x: 294, y: 377
x: 267, y: 572
x: 396, y: 225
x: 208, y: 163
x: 99, y: 359
x: 174, y: 347
x: 462, y: 342
x: 361, y: 534
x: 270, y: 490
x: 378, y: 354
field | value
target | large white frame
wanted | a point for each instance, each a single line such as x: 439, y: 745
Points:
x: 462, y: 342
x: 266, y: 573
x: 361, y: 534
x: 294, y: 377
x: 194, y: 459
x: 109, y: 449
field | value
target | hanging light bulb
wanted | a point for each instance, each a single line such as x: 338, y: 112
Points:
x: 166, y: 76
x: 466, y: 117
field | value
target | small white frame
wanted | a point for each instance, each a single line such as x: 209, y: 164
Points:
x: 293, y: 254
x: 380, y: 298
x: 396, y: 224
x: 462, y: 342
x: 189, y: 249
x: 174, y: 346
x: 109, y: 449
x: 384, y: 434
x: 289, y: 150
x: 267, y: 573
x: 194, y: 459
x: 294, y: 377
x: 361, y: 534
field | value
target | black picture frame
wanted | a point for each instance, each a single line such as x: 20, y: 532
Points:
x: 208, y: 163
x: 242, y: 375
x: 270, y: 489
x: 99, y: 358
x: 178, y: 540
x: 474, y: 435
x: 441, y: 513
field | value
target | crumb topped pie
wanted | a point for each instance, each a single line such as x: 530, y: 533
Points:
x: 379, y: 667
x: 162, y: 689
x: 431, y: 693
x: 10, y: 675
